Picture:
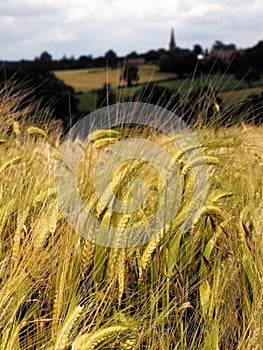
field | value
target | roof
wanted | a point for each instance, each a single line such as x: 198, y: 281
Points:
x: 225, y: 54
x: 135, y: 62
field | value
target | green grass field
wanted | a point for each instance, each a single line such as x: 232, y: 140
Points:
x: 87, y: 81
x: 220, y: 82
x: 233, y: 97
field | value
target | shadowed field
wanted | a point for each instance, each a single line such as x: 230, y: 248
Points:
x: 87, y: 81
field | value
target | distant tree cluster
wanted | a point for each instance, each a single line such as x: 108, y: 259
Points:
x: 219, y: 45
x: 246, y: 65
x: 130, y: 74
x: 46, y: 88
x: 180, y: 61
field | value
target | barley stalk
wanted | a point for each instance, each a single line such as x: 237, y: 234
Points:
x: 18, y: 236
x: 121, y: 263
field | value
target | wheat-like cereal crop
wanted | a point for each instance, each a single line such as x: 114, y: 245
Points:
x: 194, y: 286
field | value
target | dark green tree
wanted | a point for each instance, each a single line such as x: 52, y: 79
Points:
x: 46, y: 89
x: 254, y: 56
x: 152, y: 56
x: 197, y: 50
x: 219, y: 45
x: 133, y: 54
x: 45, y: 59
x: 105, y: 96
x: 111, y: 59
x: 249, y: 74
x: 182, y: 62
x: 157, y: 95
x: 85, y: 61
x: 211, y: 65
x: 237, y: 62
x: 131, y: 75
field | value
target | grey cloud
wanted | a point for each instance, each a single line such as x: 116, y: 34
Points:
x: 18, y: 8
x: 77, y: 27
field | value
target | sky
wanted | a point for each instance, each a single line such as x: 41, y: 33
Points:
x: 92, y: 27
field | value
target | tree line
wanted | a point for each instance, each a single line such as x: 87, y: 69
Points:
x: 247, y: 65
x: 178, y: 60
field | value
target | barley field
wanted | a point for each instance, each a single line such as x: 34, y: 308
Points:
x: 85, y: 80
x: 94, y: 78
x: 196, y: 289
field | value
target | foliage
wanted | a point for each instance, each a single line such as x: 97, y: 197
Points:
x: 251, y: 107
x: 213, y: 65
x: 202, y: 106
x: 105, y: 96
x: 238, y: 61
x: 153, y: 56
x: 219, y: 45
x: 130, y: 74
x: 249, y: 74
x: 154, y: 94
x: 197, y: 50
x: 48, y: 90
x: 182, y: 62
x: 111, y: 59
x: 254, y: 56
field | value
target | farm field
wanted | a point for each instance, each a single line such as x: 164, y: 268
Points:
x: 86, y: 82
x: 91, y: 79
x: 233, y: 97
x: 220, y: 82
x: 195, y: 288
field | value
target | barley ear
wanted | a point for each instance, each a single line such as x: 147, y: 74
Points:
x: 16, y: 128
x: 206, y: 160
x: 91, y: 341
x: 87, y: 255
x: 151, y: 246
x: 63, y: 335
x: 221, y: 196
x: 36, y: 130
x: 9, y: 163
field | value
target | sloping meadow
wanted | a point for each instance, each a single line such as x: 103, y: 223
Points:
x: 194, y: 288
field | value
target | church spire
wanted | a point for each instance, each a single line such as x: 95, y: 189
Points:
x: 172, y: 41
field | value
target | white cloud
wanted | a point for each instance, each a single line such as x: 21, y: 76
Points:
x: 28, y: 27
